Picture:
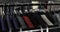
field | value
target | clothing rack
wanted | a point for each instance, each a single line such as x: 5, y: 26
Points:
x: 29, y: 4
x: 43, y: 29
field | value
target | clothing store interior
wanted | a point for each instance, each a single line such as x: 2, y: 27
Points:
x: 29, y: 15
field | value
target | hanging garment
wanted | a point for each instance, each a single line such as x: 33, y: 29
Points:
x: 7, y: 19
x: 46, y: 20
x: 52, y: 18
x: 21, y: 21
x: 0, y: 17
x: 3, y: 25
x: 33, y: 20
x: 13, y: 19
x: 55, y: 19
x: 15, y: 23
x: 58, y: 18
x: 28, y: 22
x: 11, y: 11
x: 39, y: 20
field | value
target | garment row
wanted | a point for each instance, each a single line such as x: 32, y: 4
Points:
x: 27, y: 21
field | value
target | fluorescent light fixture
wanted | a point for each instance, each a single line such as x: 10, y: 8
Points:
x: 35, y: 2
